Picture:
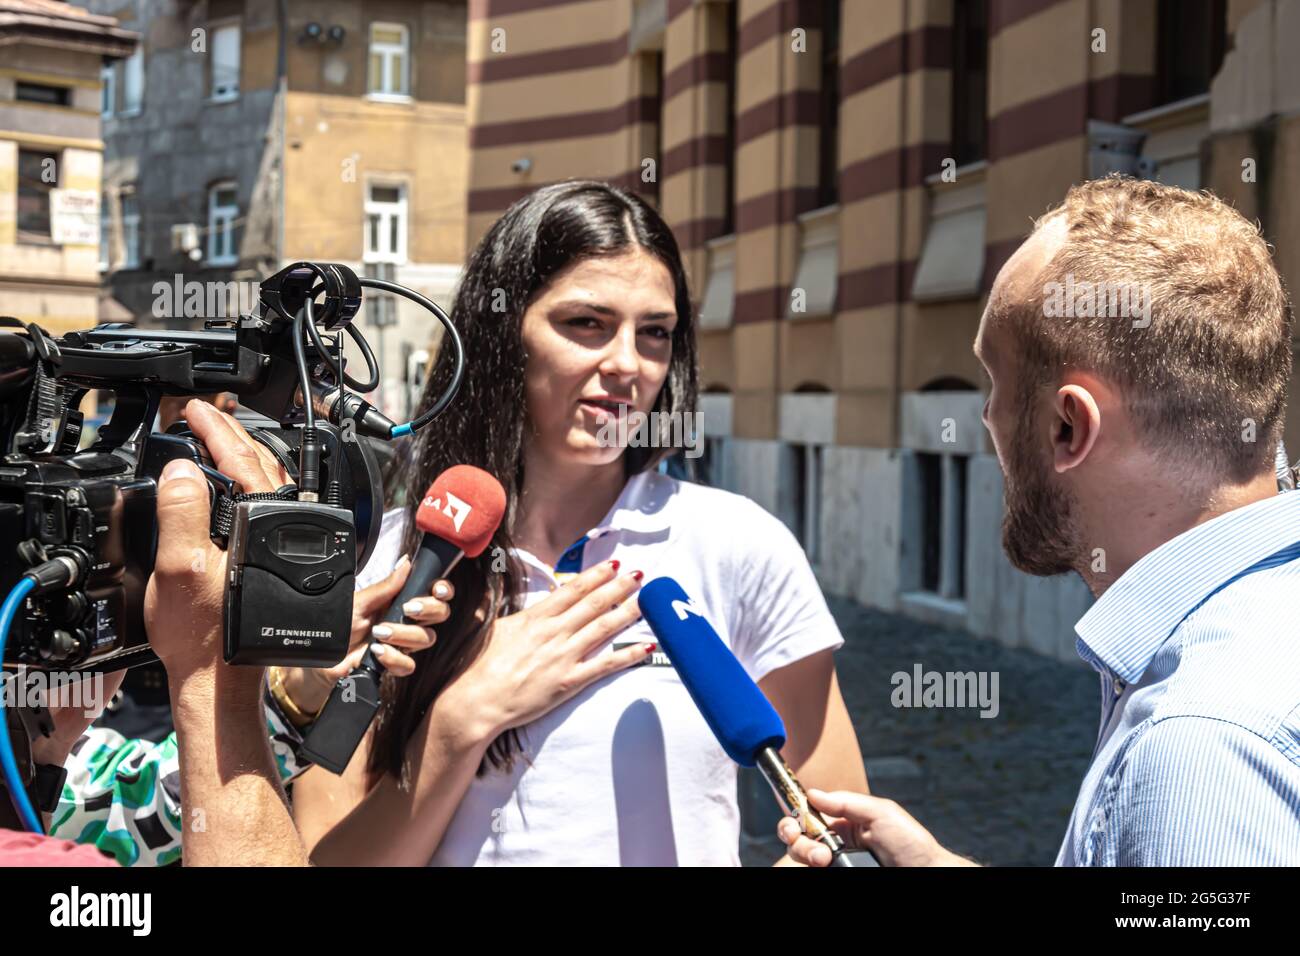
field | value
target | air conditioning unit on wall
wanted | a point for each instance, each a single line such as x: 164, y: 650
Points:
x: 1113, y: 148
x: 185, y: 237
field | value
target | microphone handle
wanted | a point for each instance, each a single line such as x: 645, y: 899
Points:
x: 793, y: 799
x: 336, y: 733
x: 433, y: 560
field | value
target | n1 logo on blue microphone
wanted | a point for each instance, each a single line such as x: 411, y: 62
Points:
x: 683, y: 608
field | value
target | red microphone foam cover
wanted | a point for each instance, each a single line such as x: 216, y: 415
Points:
x: 464, y: 505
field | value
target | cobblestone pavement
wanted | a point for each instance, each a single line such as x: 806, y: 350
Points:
x: 996, y: 789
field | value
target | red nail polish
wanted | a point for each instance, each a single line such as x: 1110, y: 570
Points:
x: 614, y: 563
x: 638, y: 575
x: 651, y: 648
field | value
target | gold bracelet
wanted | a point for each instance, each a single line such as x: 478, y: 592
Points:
x: 297, y: 716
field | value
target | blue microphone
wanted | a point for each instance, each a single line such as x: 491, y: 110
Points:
x: 740, y: 716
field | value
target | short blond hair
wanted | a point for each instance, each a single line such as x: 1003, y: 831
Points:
x: 1212, y: 366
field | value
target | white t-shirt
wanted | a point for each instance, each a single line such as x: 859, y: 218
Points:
x: 627, y: 772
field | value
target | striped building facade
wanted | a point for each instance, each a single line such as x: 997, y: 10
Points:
x: 846, y: 177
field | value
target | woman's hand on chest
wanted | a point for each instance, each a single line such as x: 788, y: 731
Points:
x: 534, y: 660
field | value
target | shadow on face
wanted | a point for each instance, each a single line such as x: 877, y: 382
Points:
x: 1039, y: 528
x: 599, y: 343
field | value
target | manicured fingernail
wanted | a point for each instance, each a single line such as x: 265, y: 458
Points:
x: 613, y: 564
x: 382, y: 630
x: 650, y: 647
x: 379, y: 650
x: 440, y: 590
x: 412, y: 607
x: 402, y: 562
x: 638, y: 575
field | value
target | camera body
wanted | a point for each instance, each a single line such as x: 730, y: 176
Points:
x: 97, y: 510
x: 96, y: 506
x: 103, y: 519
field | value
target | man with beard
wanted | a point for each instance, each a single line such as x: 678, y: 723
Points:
x: 1138, y: 452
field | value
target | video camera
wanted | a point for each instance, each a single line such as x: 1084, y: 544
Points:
x: 79, y: 525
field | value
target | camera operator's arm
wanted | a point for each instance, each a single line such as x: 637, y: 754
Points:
x: 123, y: 795
x: 235, y: 809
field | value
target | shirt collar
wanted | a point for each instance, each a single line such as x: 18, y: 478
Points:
x: 1136, y: 614
x: 642, y: 508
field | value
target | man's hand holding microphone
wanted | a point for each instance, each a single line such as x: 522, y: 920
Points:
x: 870, y: 823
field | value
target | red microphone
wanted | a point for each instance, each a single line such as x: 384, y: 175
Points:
x: 459, y: 514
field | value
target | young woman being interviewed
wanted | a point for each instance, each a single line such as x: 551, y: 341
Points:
x: 541, y: 729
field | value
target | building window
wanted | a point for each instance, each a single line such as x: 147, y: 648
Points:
x: 807, y: 497
x: 42, y: 93
x: 133, y: 83
x: 828, y: 190
x: 225, y: 63
x: 38, y: 174
x: 970, y: 80
x: 943, y: 524
x: 1192, y: 37
x: 389, y: 60
x: 107, y: 91
x: 385, y: 239
x: 711, y: 466
x: 105, y: 236
x: 223, y: 216
x: 131, y: 232
x: 733, y: 70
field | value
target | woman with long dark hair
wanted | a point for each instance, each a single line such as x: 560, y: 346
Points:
x: 541, y: 727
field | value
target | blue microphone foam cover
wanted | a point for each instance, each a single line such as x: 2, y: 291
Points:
x: 733, y: 706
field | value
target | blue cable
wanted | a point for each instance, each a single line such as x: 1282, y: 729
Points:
x: 400, y: 430
x: 17, y: 792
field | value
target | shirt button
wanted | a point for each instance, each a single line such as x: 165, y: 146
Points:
x: 1119, y: 687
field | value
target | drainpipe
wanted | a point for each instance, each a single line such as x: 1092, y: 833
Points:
x: 900, y: 292
x: 281, y: 119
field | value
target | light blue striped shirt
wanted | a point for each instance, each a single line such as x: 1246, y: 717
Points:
x: 1198, y: 647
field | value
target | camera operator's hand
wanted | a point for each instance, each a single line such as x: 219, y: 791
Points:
x: 183, y: 600
x: 233, y: 450
x: 235, y: 453
x: 867, y: 823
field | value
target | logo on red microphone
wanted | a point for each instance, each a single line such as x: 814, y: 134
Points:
x: 455, y: 509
